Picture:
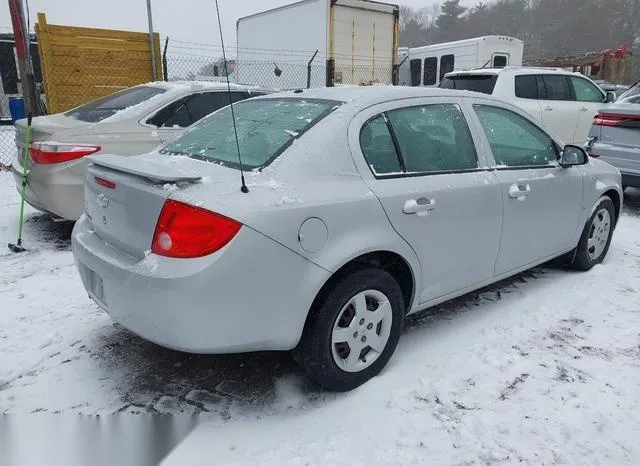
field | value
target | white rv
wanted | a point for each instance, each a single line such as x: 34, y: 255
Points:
x: 427, y: 65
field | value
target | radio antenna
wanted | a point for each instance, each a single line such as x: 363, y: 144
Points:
x: 243, y: 187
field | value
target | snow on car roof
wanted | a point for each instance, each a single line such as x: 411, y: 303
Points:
x: 364, y: 96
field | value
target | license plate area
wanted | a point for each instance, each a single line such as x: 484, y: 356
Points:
x: 96, y: 287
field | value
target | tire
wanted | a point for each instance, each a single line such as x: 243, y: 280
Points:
x: 324, y: 354
x: 596, y: 236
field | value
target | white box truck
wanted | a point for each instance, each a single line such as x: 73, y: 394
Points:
x: 427, y: 65
x: 317, y: 43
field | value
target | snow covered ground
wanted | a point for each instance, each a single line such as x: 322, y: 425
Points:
x: 543, y: 368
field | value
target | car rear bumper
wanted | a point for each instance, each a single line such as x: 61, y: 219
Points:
x: 53, y: 189
x: 253, y: 295
x: 624, y: 158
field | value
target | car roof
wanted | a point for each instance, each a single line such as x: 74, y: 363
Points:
x: 513, y: 69
x: 196, y: 86
x: 365, y: 96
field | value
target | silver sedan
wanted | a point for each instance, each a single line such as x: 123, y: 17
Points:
x: 362, y: 205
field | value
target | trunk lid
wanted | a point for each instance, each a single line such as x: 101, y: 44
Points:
x: 125, y: 213
x: 124, y: 197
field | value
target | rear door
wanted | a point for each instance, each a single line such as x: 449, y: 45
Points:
x: 559, y: 108
x: 435, y: 189
x: 590, y: 99
x: 183, y: 112
x: 541, y: 200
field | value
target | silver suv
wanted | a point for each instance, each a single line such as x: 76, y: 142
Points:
x: 615, y: 136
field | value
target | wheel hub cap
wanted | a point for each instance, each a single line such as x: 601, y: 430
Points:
x: 599, y: 234
x: 361, y: 330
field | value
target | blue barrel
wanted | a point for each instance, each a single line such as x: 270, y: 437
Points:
x: 16, y: 108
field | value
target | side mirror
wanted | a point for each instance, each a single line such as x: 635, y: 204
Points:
x: 611, y: 97
x: 573, y: 155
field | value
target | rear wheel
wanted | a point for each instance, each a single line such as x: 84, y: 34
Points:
x: 353, y: 331
x: 596, y: 236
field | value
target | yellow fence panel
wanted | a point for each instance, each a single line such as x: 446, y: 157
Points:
x: 83, y: 64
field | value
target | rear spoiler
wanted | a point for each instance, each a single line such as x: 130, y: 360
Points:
x: 153, y: 170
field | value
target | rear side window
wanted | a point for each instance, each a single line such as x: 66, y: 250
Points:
x: 527, y: 87
x: 447, y: 64
x: 632, y: 94
x: 266, y: 128
x: 415, y: 66
x: 514, y: 140
x: 585, y: 91
x: 105, y: 107
x: 190, y: 109
x: 556, y: 87
x: 484, y: 83
x: 378, y: 148
x: 430, y: 71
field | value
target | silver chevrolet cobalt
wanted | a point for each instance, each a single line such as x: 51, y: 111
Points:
x: 360, y: 205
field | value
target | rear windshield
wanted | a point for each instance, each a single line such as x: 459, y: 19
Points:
x: 477, y: 83
x: 631, y: 95
x: 266, y: 127
x: 107, y: 106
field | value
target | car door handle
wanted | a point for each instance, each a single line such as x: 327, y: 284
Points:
x: 548, y: 109
x: 419, y: 206
x: 519, y: 191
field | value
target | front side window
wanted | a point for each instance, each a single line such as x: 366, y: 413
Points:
x: 514, y: 140
x: 430, y: 71
x: 430, y: 139
x: 585, y: 91
x: 556, y: 87
x: 265, y: 127
x: 631, y: 95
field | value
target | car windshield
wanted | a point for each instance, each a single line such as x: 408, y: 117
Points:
x: 470, y: 82
x: 631, y: 95
x: 265, y: 127
x: 107, y: 106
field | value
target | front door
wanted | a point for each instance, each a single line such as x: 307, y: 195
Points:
x: 541, y: 199
x: 590, y: 100
x: 436, y: 192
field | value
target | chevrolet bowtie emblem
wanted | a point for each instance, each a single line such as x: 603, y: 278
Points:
x: 102, y: 201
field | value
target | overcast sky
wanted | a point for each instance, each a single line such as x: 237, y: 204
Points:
x: 186, y: 20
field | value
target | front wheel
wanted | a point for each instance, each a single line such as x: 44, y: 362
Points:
x: 596, y: 237
x: 353, y: 331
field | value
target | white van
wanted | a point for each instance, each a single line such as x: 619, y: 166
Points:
x: 427, y: 65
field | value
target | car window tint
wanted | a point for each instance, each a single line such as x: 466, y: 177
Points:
x: 447, y: 64
x: 633, y: 91
x: 433, y: 138
x: 415, y: 66
x: 107, y: 106
x: 585, y: 91
x: 175, y: 115
x: 557, y: 87
x: 378, y: 148
x: 430, y: 71
x: 527, y: 86
x: 265, y: 129
x: 514, y: 140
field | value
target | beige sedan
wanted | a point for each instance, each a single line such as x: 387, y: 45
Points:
x: 129, y: 122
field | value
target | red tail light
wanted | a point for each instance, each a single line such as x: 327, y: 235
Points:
x: 185, y: 231
x: 616, y: 119
x: 54, y: 152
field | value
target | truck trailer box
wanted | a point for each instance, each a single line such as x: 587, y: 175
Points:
x: 316, y: 43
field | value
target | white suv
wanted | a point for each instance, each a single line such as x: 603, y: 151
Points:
x: 563, y: 101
